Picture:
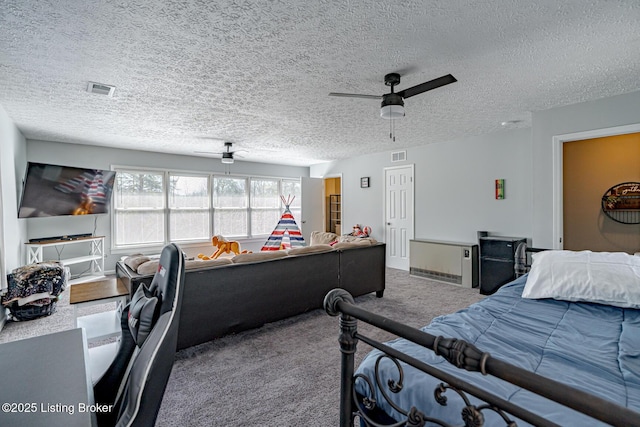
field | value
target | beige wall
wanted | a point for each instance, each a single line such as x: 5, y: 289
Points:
x: 590, y: 168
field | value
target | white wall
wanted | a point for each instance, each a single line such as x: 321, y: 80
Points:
x: 454, y: 187
x: 605, y: 113
x: 12, y: 169
x: 12, y: 231
x: 104, y: 158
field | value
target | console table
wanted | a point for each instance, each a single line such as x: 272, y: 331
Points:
x: 95, y: 256
x: 45, y: 381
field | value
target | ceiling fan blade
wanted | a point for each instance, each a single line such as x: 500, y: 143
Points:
x: 207, y: 152
x: 431, y: 84
x: 355, y: 95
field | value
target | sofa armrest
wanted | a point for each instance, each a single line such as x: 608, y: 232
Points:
x: 130, y: 278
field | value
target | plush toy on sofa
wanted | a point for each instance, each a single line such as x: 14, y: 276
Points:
x: 359, y: 231
x: 224, y: 247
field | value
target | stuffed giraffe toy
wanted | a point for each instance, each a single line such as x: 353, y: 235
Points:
x: 223, y: 246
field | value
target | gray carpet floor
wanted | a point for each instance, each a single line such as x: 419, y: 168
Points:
x: 283, y: 374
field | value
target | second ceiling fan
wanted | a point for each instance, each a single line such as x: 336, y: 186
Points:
x: 392, y: 106
x: 227, y: 156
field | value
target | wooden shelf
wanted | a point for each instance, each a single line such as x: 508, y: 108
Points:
x: 335, y: 213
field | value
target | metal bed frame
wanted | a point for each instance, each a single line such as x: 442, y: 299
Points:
x: 461, y: 354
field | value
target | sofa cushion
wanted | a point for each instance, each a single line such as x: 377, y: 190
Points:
x: 359, y: 240
x: 135, y: 260
x: 311, y: 249
x: 322, y: 238
x: 258, y: 256
x: 202, y: 263
x: 151, y: 266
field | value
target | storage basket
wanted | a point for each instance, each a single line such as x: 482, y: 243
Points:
x: 30, y: 312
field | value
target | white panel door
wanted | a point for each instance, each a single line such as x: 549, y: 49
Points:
x: 398, y: 215
x: 312, y: 216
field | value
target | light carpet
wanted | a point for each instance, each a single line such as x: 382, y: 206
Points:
x: 283, y: 374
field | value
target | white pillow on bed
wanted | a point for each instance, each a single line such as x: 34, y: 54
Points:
x: 611, y: 278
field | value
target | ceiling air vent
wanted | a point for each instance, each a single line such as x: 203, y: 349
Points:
x: 101, y: 89
x: 398, y: 156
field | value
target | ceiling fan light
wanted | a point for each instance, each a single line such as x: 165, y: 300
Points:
x: 392, y: 112
x: 227, y: 158
x: 392, y: 106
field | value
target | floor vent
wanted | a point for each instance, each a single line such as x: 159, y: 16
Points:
x: 436, y: 275
x: 101, y: 89
x: 398, y: 156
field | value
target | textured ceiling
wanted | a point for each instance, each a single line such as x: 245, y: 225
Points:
x: 192, y: 73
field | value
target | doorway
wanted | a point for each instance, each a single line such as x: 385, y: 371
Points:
x: 558, y: 182
x: 399, y: 196
x: 590, y: 167
x: 333, y: 205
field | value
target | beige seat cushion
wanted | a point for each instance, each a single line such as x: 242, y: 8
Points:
x: 366, y: 241
x: 322, y: 237
x: 150, y: 267
x: 353, y: 244
x: 202, y: 263
x: 311, y: 249
x: 258, y: 256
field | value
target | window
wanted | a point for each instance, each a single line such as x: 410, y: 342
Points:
x: 230, y: 206
x: 188, y: 208
x: 292, y: 188
x: 265, y: 205
x: 139, y: 208
x: 152, y: 208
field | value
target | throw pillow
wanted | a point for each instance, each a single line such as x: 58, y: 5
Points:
x: 135, y: 260
x: 322, y: 238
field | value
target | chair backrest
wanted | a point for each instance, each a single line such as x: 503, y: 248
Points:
x: 136, y: 387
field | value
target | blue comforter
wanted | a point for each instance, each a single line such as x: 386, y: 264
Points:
x: 588, y: 346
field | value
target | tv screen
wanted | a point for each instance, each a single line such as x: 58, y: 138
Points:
x: 52, y: 190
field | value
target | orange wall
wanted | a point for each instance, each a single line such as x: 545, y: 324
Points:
x: 331, y: 186
x: 590, y: 168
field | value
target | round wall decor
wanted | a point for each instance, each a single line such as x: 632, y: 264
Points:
x: 621, y: 203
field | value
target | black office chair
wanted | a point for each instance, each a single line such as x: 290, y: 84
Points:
x: 136, y: 380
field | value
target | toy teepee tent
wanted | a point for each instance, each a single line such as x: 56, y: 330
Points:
x: 286, y: 229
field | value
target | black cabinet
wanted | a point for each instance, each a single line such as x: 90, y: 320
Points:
x: 497, y: 261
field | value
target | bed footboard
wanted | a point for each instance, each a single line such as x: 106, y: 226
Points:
x: 459, y: 353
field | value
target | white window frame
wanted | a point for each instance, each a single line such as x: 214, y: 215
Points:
x: 115, y: 210
x: 167, y: 211
x: 171, y: 210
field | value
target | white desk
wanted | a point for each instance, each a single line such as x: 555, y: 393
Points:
x: 100, y: 325
x: 45, y: 382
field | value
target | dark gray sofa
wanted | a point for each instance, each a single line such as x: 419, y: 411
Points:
x: 236, y: 297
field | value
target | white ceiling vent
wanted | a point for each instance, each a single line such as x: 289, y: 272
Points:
x: 398, y: 156
x: 101, y: 89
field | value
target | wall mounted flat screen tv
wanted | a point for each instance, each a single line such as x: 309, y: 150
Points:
x: 52, y: 190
